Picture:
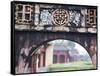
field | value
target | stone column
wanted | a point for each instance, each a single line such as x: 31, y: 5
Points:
x: 49, y: 55
x: 93, y: 52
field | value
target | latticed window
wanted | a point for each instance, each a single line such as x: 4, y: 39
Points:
x: 24, y: 14
x: 91, y: 17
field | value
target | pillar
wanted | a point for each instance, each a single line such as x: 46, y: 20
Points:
x: 49, y: 55
x: 93, y: 52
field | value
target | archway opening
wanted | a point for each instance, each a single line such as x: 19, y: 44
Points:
x: 60, y: 55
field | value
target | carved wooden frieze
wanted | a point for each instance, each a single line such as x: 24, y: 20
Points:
x: 43, y: 17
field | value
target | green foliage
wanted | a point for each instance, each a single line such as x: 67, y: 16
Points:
x: 80, y: 65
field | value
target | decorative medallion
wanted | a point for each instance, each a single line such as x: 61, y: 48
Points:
x: 60, y: 17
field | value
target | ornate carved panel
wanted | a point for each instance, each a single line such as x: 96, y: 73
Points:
x: 60, y: 17
x: 45, y: 17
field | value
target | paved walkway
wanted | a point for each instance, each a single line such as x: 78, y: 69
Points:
x: 43, y: 69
